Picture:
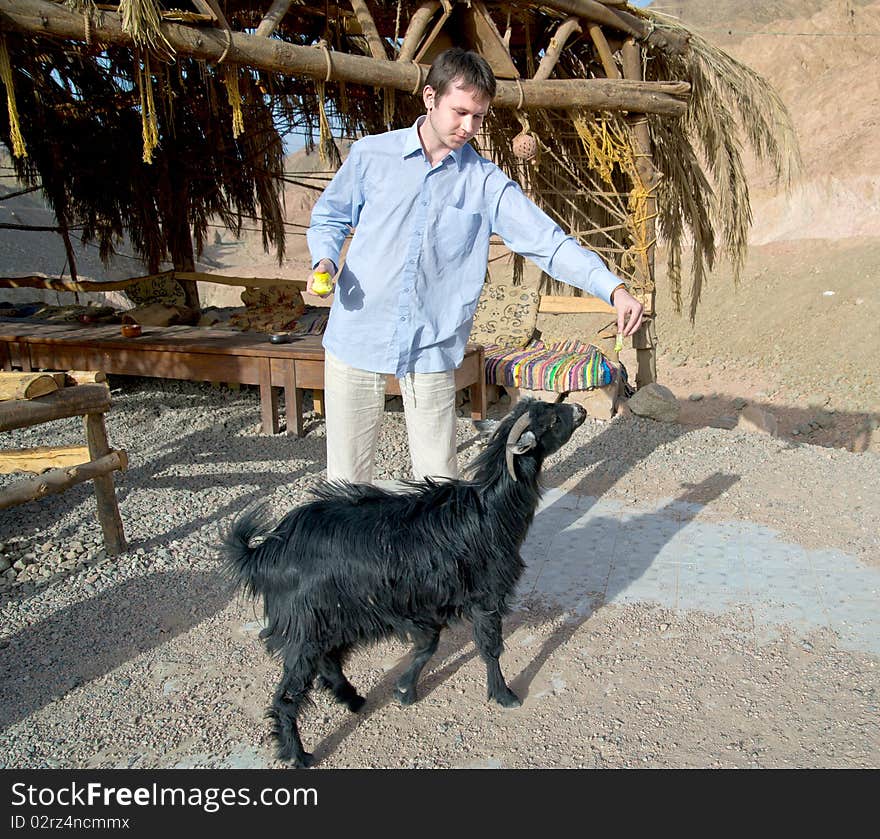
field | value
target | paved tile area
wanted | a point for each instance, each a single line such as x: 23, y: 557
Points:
x: 582, y: 552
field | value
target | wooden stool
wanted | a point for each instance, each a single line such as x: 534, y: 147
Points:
x: 95, y: 461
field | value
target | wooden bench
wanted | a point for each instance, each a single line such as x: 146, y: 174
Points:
x: 201, y: 354
x: 74, y: 464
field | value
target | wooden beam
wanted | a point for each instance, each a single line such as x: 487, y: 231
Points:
x: 415, y: 30
x: 597, y: 12
x: 57, y: 480
x: 40, y: 458
x: 604, y: 51
x: 268, y: 24
x: 368, y: 27
x: 66, y: 402
x: 83, y: 377
x: 56, y: 284
x: 555, y: 47
x: 552, y: 304
x: 559, y: 304
x: 40, y: 17
x: 251, y: 282
x: 25, y: 385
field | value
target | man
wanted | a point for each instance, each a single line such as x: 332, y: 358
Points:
x: 424, y: 204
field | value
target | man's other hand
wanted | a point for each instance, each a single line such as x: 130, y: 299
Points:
x: 629, y: 312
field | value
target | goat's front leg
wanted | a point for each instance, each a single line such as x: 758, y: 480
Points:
x: 289, y: 696
x: 487, y: 637
x: 425, y: 646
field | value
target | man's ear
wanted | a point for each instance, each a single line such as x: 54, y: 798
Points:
x: 428, y: 96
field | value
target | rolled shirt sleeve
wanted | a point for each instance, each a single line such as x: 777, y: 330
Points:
x: 529, y: 231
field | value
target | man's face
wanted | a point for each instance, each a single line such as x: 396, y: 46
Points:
x: 456, y: 116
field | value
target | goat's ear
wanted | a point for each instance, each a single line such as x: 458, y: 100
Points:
x: 486, y: 427
x: 526, y: 442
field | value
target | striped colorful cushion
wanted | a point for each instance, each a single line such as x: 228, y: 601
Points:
x: 559, y: 367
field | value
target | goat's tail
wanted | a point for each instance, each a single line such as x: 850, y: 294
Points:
x: 243, y: 561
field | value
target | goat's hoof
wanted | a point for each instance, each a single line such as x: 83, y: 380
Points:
x: 355, y: 704
x: 507, y: 700
x: 406, y: 696
x: 303, y: 762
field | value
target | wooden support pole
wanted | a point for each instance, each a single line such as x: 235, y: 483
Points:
x: 273, y: 17
x: 604, y: 51
x: 105, y: 491
x: 555, y: 47
x: 57, y: 480
x: 368, y: 27
x: 39, y: 17
x: 67, y: 402
x: 415, y: 30
x: 644, y: 341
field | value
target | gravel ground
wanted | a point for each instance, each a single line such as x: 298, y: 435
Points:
x: 146, y: 660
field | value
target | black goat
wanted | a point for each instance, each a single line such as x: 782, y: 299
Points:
x: 360, y: 564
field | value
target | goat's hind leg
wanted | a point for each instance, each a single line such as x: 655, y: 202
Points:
x: 487, y: 637
x: 290, y: 694
x: 332, y: 678
x: 425, y: 646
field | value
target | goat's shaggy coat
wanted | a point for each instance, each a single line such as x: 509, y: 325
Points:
x: 360, y: 564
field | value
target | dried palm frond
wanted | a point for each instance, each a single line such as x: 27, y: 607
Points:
x: 142, y: 20
x: 730, y: 104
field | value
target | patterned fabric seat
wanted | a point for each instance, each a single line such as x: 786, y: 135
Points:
x: 559, y: 367
x: 505, y: 324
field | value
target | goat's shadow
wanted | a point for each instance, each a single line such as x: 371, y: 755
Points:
x: 556, y: 518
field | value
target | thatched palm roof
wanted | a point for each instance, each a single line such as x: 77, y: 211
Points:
x: 151, y: 120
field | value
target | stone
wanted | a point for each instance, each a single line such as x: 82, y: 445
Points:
x: 758, y: 420
x: 655, y: 401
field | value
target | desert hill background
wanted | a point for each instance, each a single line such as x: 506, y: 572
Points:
x: 799, y: 336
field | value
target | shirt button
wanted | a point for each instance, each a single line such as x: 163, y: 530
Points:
x: 403, y: 318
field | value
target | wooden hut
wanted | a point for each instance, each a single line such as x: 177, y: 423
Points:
x: 152, y: 117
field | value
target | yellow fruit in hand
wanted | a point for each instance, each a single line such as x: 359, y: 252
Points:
x: 322, y: 283
x: 618, y: 344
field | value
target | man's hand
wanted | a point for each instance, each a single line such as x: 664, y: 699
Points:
x: 325, y: 266
x: 629, y: 312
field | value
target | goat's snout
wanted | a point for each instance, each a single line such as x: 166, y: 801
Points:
x: 578, y: 413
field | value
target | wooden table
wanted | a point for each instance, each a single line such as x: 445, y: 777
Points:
x: 201, y: 354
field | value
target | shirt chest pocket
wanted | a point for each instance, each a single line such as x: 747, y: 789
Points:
x: 455, y: 233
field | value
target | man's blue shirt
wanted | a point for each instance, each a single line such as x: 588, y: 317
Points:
x: 406, y: 296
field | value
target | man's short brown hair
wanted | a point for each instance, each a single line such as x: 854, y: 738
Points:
x: 456, y: 64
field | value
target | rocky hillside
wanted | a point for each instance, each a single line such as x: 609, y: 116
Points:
x: 822, y: 58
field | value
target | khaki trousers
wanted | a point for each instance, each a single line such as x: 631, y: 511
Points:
x: 354, y: 402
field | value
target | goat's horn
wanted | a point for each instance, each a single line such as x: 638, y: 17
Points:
x: 519, y: 426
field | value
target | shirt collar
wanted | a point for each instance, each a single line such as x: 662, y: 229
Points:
x: 413, y: 144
